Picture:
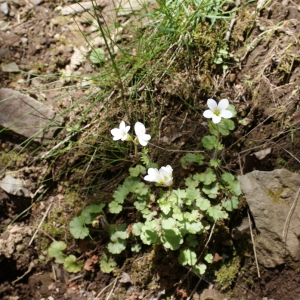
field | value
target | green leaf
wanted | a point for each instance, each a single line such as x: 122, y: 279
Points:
x: 231, y: 108
x: 116, y: 247
x: 71, y: 265
x: 223, y: 128
x: 114, y: 207
x: 140, y: 188
x: 171, y: 238
x: 118, y: 232
x: 192, y: 240
x: 107, y: 265
x: 194, y: 228
x: 137, y: 170
x: 137, y: 228
x: 233, y: 185
x: 97, y: 56
x: 191, y: 182
x: 210, y: 142
x: 187, y: 257
x: 193, y: 193
x: 168, y: 223
x: 150, y: 232
x: 231, y: 204
x: 121, y: 193
x: 215, y: 163
x: 202, y: 203
x: 216, y: 213
x: 55, y: 250
x: 136, y: 248
x: 207, y: 178
x: 211, y: 190
x: 164, y: 205
x: 190, y: 158
x: 90, y: 212
x: 192, y: 216
x: 177, y: 196
x: 199, y: 269
x: 209, y: 258
x: 140, y: 205
x: 78, y: 228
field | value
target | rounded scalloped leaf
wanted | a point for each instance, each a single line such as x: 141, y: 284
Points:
x: 55, y: 250
x: 72, y: 265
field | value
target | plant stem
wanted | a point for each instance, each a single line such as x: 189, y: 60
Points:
x: 218, y: 140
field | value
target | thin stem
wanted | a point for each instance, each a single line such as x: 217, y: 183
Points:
x: 218, y: 140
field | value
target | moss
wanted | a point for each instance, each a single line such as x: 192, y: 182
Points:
x: 228, y: 272
x: 276, y: 195
x: 280, y: 162
x: 142, y: 271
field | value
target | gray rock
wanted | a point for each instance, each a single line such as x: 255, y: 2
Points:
x: 14, y: 186
x: 27, y: 116
x: 211, y: 294
x: 10, y: 68
x: 36, y: 2
x: 238, y: 231
x: 4, y: 8
x: 80, y: 7
x: 271, y: 197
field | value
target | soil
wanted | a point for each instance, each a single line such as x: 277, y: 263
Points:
x: 264, y: 86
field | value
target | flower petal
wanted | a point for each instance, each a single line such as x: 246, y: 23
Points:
x: 226, y: 114
x: 139, y: 128
x: 216, y: 119
x: 122, y: 125
x: 153, y: 175
x: 168, y: 169
x: 223, y: 104
x: 208, y: 114
x: 212, y: 104
x: 117, y: 133
x: 143, y: 140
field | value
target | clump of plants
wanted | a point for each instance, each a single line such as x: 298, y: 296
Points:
x: 177, y: 213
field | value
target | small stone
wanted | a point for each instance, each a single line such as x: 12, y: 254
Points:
x: 10, y: 68
x: 36, y: 2
x: 232, y: 77
x: 4, y: 8
x: 24, y: 41
x: 27, y: 117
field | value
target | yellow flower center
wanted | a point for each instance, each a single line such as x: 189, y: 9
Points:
x: 217, y: 112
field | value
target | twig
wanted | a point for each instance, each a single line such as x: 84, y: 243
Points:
x: 254, y: 249
x: 228, y: 33
x: 288, y: 218
x: 116, y: 280
x: 30, y: 267
x: 194, y: 289
x: 75, y: 278
x: 43, y: 219
x: 105, y: 289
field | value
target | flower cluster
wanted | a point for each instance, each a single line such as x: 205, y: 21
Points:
x: 164, y: 176
x: 122, y: 134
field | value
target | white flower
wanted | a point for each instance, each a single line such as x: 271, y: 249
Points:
x: 121, y: 133
x: 140, y: 132
x: 163, y: 176
x: 217, y: 111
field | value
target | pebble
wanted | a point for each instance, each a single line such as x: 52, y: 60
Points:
x: 36, y: 2
x: 24, y: 41
x: 10, y: 67
x: 4, y: 8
